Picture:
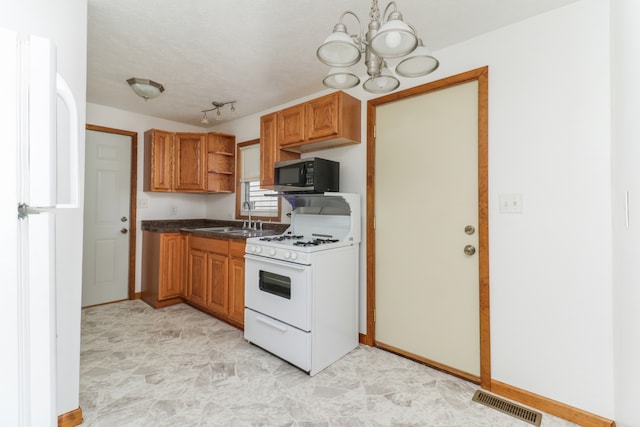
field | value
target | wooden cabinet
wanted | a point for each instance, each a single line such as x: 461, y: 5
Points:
x: 221, y: 162
x: 208, y: 274
x: 158, y: 161
x: 326, y: 117
x: 163, y: 268
x: 236, y: 281
x: 189, y: 162
x: 291, y: 128
x: 196, y: 276
x: 270, y: 151
x: 217, y: 281
x: 329, y: 121
x: 215, y: 277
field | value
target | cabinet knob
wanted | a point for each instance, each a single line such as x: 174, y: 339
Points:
x: 124, y: 230
x: 469, y: 250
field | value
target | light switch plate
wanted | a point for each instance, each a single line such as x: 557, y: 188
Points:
x: 510, y: 203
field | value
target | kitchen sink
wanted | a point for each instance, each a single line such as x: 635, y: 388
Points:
x: 253, y: 233
x: 217, y: 229
x: 237, y: 231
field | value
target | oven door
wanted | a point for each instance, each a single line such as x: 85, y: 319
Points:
x: 279, y: 289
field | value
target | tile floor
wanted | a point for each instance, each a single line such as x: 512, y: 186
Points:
x: 179, y: 367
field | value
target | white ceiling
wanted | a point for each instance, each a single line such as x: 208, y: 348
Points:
x: 261, y: 53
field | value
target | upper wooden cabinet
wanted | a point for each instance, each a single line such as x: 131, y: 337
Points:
x: 291, y: 128
x: 221, y: 163
x: 188, y: 162
x: 326, y: 122
x: 158, y: 160
x: 270, y: 151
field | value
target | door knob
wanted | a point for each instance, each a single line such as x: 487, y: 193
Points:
x: 123, y: 219
x: 469, y: 250
x: 124, y: 231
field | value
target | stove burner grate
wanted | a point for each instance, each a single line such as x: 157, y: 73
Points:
x: 281, y: 238
x: 315, y: 242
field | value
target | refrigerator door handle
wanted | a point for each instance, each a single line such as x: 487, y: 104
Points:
x: 64, y: 92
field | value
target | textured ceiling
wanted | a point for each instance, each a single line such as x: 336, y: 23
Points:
x: 260, y: 53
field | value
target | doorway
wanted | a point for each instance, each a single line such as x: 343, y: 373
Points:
x: 108, y: 272
x: 416, y: 297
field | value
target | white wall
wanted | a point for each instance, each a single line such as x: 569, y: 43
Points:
x: 64, y: 22
x: 626, y: 179
x: 158, y: 204
x: 549, y: 139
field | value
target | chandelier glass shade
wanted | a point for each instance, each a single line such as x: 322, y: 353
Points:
x: 145, y: 88
x: 387, y: 37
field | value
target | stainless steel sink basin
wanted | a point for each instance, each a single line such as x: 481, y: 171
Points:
x: 237, y: 231
x: 245, y: 232
x: 217, y: 229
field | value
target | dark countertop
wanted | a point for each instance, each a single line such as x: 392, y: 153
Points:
x: 190, y: 226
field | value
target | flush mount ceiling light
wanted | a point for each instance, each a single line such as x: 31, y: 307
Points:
x: 145, y: 88
x: 386, y: 38
x: 216, y: 107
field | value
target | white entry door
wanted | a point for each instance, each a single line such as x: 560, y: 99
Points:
x: 426, y: 208
x: 105, y: 269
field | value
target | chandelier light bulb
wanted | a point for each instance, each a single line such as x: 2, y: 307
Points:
x: 393, y: 39
x: 341, y: 78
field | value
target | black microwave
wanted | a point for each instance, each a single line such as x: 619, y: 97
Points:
x: 310, y: 175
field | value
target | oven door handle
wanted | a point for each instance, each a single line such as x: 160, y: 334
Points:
x: 272, y: 324
x: 276, y: 262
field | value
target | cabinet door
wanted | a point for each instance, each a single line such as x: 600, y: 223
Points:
x: 172, y: 246
x: 291, y: 125
x: 197, y: 276
x: 158, y: 149
x: 322, y: 117
x: 236, y: 281
x: 218, y: 282
x: 189, y: 170
x: 268, y: 148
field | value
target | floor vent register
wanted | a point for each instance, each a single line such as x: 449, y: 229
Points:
x: 517, y: 411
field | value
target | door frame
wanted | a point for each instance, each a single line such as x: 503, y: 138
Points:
x: 133, y: 197
x: 481, y: 75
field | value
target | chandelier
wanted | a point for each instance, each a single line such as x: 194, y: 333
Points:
x: 386, y: 38
x: 216, y: 107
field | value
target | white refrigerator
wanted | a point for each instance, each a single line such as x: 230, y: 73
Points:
x: 33, y: 194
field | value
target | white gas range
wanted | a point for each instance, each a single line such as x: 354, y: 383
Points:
x: 301, y: 287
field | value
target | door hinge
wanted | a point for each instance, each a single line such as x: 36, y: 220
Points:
x: 374, y: 222
x: 375, y: 128
x: 374, y: 315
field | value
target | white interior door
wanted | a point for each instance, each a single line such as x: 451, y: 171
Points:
x: 426, y: 193
x: 105, y: 269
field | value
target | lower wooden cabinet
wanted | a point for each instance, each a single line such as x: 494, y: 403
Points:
x: 236, y: 281
x: 163, y: 263
x: 215, y: 277
x: 204, y: 272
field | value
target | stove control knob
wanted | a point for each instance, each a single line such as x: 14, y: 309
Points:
x: 294, y: 255
x: 287, y: 255
x: 258, y: 249
x: 272, y: 252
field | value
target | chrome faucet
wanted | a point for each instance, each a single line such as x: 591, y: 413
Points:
x: 248, y: 206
